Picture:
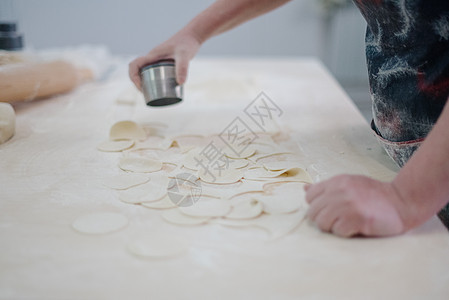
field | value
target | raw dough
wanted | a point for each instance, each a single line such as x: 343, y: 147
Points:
x: 7, y: 122
x: 175, y: 216
x: 127, y: 130
x: 207, y: 208
x: 163, y: 203
x: 100, y: 223
x: 125, y: 181
x: 157, y: 247
x: 227, y: 176
x: 247, y: 209
x: 247, y: 152
x: 139, y: 164
x: 148, y: 192
x: 115, y: 146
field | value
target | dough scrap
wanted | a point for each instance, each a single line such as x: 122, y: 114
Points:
x: 139, y: 164
x: 125, y: 181
x: 157, y: 247
x: 115, y: 146
x: 163, y: 203
x: 7, y: 122
x: 175, y: 216
x: 99, y: 223
x: 207, y: 208
x: 127, y: 130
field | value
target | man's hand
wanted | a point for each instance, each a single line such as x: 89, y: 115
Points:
x: 181, y: 47
x: 349, y: 205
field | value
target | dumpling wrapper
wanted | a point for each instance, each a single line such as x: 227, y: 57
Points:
x: 293, y: 174
x: 175, y: 216
x: 148, y: 192
x: 115, y: 146
x: 157, y: 247
x: 163, y: 203
x: 247, y: 209
x: 127, y: 130
x: 277, y: 226
x: 139, y: 164
x: 227, y: 176
x: 125, y: 181
x: 207, y: 208
x: 247, y: 152
x: 280, y: 204
x: 280, y: 165
x: 238, y: 163
x: 100, y: 223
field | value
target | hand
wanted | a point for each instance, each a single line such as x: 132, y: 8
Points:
x: 181, y: 47
x: 349, y: 205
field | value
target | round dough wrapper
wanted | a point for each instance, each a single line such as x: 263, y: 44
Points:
x: 175, y: 216
x: 157, y: 247
x: 7, y: 122
x: 125, y: 181
x: 100, y: 223
x: 163, y: 203
x: 247, y: 152
x: 281, y: 165
x: 280, y: 204
x: 140, y: 164
x: 207, y: 208
x: 115, y: 146
x: 247, y: 209
x: 228, y: 176
x: 147, y: 192
x: 127, y: 130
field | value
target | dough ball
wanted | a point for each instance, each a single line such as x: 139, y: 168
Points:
x: 7, y: 122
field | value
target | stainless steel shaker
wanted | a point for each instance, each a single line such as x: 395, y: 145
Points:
x: 159, y: 84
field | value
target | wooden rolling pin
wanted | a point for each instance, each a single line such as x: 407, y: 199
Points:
x: 29, y: 81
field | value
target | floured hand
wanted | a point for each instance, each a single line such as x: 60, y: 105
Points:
x: 349, y: 205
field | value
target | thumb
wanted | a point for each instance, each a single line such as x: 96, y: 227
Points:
x: 182, y: 66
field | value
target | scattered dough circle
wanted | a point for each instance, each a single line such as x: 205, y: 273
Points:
x: 100, y: 223
x: 175, y: 216
x: 140, y: 164
x: 115, y: 146
x: 127, y: 130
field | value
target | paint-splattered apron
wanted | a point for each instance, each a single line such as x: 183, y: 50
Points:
x: 407, y: 52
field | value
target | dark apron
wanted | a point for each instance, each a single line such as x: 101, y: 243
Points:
x: 407, y: 53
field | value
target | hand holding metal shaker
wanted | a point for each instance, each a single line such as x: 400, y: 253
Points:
x: 159, y: 85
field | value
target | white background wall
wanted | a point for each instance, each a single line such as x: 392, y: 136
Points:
x: 135, y: 26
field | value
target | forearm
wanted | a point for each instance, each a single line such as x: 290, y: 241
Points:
x: 423, y: 183
x: 223, y: 15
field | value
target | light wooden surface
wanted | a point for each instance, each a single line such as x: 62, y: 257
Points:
x: 50, y: 173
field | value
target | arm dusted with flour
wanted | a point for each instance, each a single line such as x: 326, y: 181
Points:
x: 221, y: 16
